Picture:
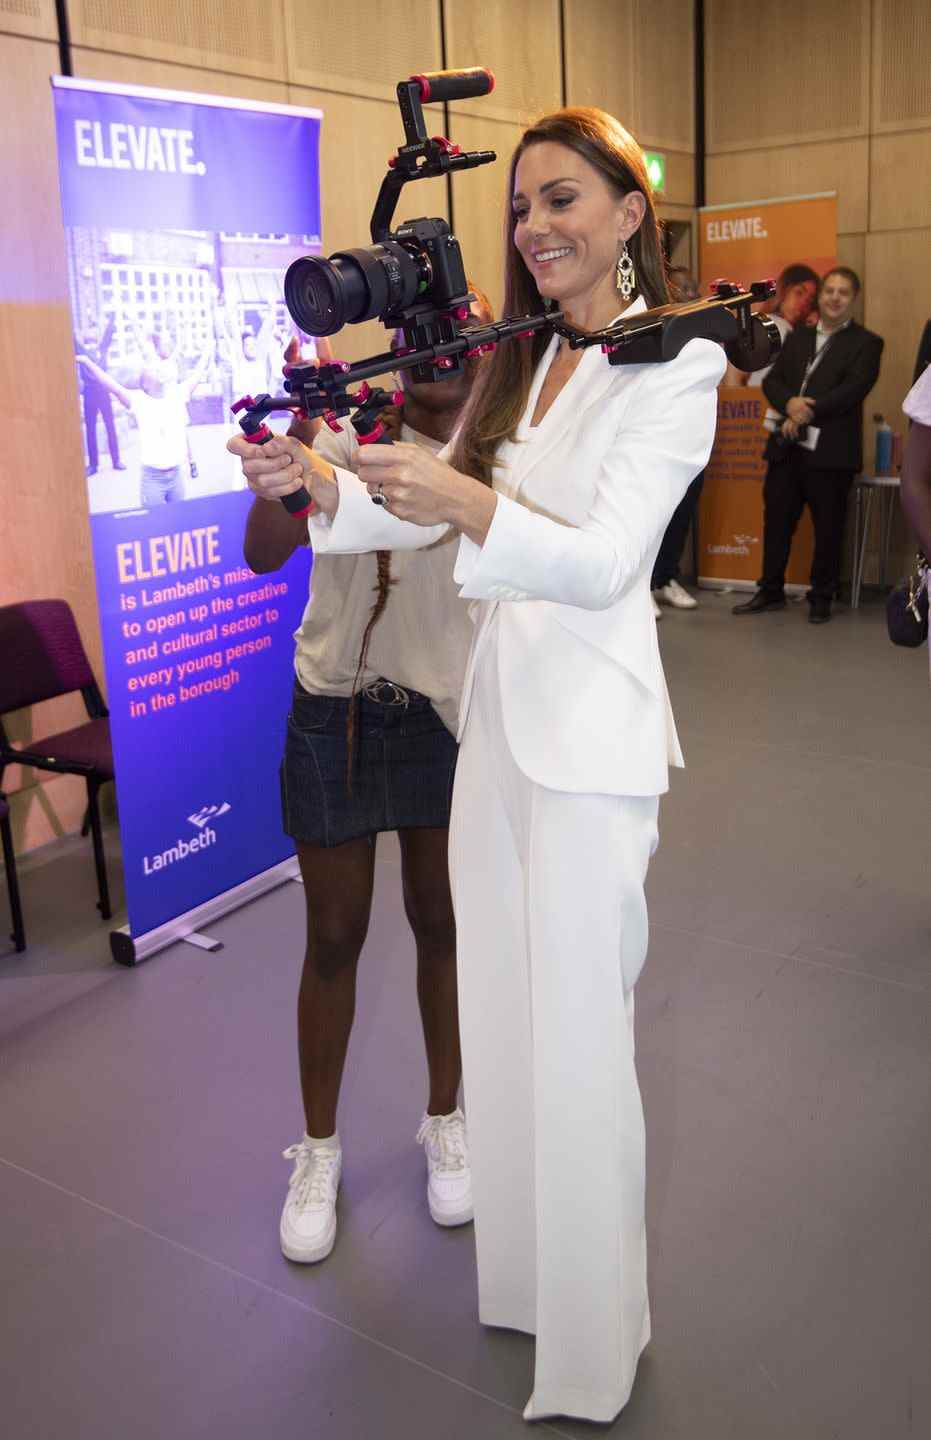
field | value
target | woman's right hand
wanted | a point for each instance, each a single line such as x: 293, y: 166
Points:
x: 283, y: 465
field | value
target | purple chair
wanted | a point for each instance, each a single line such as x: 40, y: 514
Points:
x: 9, y: 860
x: 41, y: 656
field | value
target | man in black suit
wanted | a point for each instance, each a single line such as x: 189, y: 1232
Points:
x: 818, y: 384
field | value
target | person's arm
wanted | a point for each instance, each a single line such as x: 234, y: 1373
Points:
x: 263, y: 339
x: 272, y: 536
x: 272, y: 533
x: 107, y: 338
x: 916, y: 483
x: 107, y: 381
x: 664, y: 443
x: 189, y: 385
x: 859, y: 382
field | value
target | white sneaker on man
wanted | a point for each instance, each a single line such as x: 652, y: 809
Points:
x: 675, y: 595
x: 308, y: 1220
x: 449, y: 1178
x: 657, y: 612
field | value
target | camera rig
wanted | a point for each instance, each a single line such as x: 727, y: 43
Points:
x: 414, y: 281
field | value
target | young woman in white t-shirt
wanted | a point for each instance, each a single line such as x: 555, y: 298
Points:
x: 370, y: 747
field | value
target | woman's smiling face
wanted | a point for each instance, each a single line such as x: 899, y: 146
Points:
x: 569, y: 224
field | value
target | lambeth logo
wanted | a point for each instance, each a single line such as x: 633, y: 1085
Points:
x: 183, y: 849
x: 209, y: 812
x: 741, y: 546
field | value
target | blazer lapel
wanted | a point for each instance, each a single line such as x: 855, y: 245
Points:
x: 587, y: 387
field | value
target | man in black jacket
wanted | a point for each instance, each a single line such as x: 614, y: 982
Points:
x: 818, y: 384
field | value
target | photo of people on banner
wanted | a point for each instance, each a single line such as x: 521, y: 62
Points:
x: 170, y: 328
x: 795, y: 241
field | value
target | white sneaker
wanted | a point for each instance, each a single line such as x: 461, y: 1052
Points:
x: 656, y: 610
x: 676, y: 595
x: 308, y: 1220
x: 449, y: 1179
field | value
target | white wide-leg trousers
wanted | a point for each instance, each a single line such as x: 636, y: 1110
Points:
x: 552, y: 935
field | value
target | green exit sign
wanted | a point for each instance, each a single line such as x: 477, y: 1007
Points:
x: 656, y: 169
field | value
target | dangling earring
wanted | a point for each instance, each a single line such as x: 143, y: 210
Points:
x: 626, y: 279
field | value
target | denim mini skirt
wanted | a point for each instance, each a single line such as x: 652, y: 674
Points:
x: 403, y: 765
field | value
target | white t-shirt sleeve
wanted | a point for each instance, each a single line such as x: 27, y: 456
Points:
x: 360, y: 526
x: 917, y: 403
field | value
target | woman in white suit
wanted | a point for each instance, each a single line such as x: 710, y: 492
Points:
x: 560, y: 483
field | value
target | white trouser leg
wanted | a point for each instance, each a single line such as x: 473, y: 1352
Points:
x: 494, y: 1024
x: 588, y: 856
x: 552, y: 930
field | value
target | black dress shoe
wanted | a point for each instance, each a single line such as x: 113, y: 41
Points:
x: 819, y: 612
x: 761, y: 600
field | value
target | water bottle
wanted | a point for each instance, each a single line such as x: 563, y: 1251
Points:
x: 882, y: 458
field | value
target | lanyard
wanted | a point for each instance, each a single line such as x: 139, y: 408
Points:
x: 815, y: 360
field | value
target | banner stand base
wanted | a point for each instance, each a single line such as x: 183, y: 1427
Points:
x: 202, y: 942
x: 128, y: 949
x: 714, y: 582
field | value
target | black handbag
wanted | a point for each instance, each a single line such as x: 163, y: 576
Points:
x: 907, y: 608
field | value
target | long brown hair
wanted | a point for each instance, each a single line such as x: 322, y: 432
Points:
x: 500, y: 395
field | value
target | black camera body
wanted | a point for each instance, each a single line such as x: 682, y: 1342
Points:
x: 436, y: 251
x: 413, y: 281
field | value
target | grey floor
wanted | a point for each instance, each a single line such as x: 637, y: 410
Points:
x: 784, y: 1021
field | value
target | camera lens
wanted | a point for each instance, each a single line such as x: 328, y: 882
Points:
x: 323, y: 294
x: 353, y: 285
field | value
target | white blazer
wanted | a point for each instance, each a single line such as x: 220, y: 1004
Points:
x: 583, y: 503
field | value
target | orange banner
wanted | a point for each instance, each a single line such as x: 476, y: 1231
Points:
x: 730, y: 527
x: 795, y: 242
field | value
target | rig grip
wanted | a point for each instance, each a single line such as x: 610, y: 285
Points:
x: 379, y: 435
x: 439, y: 85
x: 299, y: 503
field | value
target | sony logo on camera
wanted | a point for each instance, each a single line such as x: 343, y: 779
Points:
x: 151, y: 148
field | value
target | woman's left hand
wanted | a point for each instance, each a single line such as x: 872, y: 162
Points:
x: 415, y: 484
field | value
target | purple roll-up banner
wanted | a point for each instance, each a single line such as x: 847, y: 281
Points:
x: 182, y: 213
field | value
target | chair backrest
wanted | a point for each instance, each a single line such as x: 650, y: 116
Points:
x: 41, y: 654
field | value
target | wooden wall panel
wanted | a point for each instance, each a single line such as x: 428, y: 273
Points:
x: 797, y: 170
x: 680, y: 180
x: 162, y: 75
x: 599, y: 48
x: 44, y: 530
x: 664, y: 74
x: 520, y: 43
x: 370, y: 56
x: 32, y: 252
x: 900, y: 181
x: 783, y: 71
x: 245, y: 38
x: 481, y: 203
x: 33, y: 18
x: 901, y: 65
x: 635, y: 59
x: 357, y: 136
x: 897, y: 305
x: 851, y: 250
